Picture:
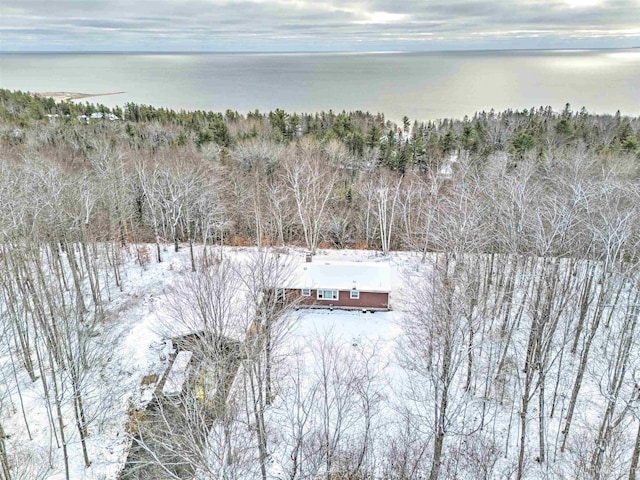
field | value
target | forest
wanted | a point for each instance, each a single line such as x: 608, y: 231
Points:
x: 515, y: 235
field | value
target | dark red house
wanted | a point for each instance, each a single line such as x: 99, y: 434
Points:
x: 346, y: 285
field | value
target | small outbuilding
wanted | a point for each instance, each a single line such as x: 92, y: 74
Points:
x: 346, y: 285
x: 445, y: 172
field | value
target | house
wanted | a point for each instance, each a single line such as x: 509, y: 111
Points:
x: 346, y: 285
x: 445, y: 172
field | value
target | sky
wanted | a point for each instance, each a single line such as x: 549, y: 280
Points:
x: 315, y: 25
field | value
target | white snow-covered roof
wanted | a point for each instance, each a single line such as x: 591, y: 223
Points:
x: 361, y: 276
x: 177, y: 375
x: 445, y: 170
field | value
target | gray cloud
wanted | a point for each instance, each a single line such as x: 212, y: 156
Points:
x: 315, y: 25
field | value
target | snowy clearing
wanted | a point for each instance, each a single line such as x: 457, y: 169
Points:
x: 351, y: 392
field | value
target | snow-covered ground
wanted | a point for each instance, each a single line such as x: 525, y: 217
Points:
x: 133, y: 340
x: 343, y: 380
x: 129, y: 338
x: 338, y: 378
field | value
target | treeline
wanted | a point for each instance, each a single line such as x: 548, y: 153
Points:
x: 534, y: 182
x: 534, y: 130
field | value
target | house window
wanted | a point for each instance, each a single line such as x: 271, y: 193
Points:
x: 306, y: 292
x: 354, y: 294
x: 327, y: 294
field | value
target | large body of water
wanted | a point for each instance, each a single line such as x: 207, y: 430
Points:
x: 421, y: 85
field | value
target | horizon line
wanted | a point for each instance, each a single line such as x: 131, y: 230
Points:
x: 346, y: 52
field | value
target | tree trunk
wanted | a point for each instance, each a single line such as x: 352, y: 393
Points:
x: 258, y: 412
x: 633, y: 470
x: 541, y: 423
x: 613, y: 391
x: 267, y: 352
x: 585, y: 300
x: 193, y: 260
x: 63, y: 438
x: 4, y: 459
x: 438, y: 442
x: 158, y: 255
x: 81, y: 422
x: 76, y: 278
x: 584, y: 356
x: 524, y: 408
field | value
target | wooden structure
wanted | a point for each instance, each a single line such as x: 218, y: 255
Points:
x: 346, y: 285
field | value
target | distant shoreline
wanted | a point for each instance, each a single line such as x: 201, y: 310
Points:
x: 67, y: 96
x: 422, y: 87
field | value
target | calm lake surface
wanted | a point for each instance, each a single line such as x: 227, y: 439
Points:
x: 421, y: 85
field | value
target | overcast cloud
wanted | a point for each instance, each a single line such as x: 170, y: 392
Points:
x: 307, y: 25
